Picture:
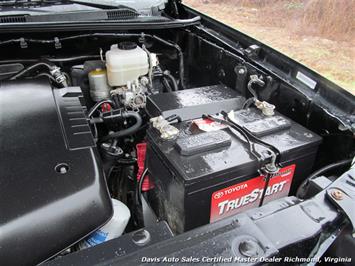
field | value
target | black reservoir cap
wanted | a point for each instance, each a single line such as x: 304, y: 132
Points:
x: 127, y: 45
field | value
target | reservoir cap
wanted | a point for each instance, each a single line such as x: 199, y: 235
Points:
x: 127, y: 45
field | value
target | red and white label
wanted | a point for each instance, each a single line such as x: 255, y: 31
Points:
x: 245, y: 195
x: 141, y: 154
x: 208, y: 125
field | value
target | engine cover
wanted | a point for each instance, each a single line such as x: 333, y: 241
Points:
x: 52, y: 189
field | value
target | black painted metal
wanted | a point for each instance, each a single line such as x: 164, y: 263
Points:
x: 125, y: 245
x: 287, y: 228
x: 52, y: 187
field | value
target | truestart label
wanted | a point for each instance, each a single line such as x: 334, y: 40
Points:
x: 245, y: 195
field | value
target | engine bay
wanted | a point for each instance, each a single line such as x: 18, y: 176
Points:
x: 110, y: 126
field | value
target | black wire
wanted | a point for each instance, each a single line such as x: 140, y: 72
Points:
x: 221, y: 121
x: 166, y: 84
x: 172, y: 79
x: 140, y: 185
x: 267, y: 181
x: 252, y: 137
x: 249, y: 137
x: 301, y: 189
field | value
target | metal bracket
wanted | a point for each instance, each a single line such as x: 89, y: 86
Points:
x: 342, y: 194
x: 253, y: 51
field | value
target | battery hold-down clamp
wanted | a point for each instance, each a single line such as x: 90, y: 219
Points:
x: 268, y: 159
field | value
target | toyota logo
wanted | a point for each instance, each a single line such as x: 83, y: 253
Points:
x: 218, y: 195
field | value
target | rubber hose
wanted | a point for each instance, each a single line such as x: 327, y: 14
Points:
x: 129, y: 131
x: 167, y: 85
x: 172, y: 79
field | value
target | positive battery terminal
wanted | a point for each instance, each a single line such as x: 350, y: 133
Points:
x: 166, y: 130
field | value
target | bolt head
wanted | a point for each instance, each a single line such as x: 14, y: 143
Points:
x: 241, y: 71
x: 141, y: 237
x: 63, y: 170
x: 337, y: 194
x: 249, y: 248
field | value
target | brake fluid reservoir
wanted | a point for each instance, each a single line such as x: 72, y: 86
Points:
x: 125, y: 62
x: 99, y: 89
x: 113, y: 229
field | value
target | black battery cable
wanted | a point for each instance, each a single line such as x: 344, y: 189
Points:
x: 140, y: 185
x: 267, y: 170
x: 250, y: 138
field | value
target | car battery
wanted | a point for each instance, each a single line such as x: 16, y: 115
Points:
x: 208, y: 172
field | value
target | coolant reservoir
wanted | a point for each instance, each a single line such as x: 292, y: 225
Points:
x: 125, y: 62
